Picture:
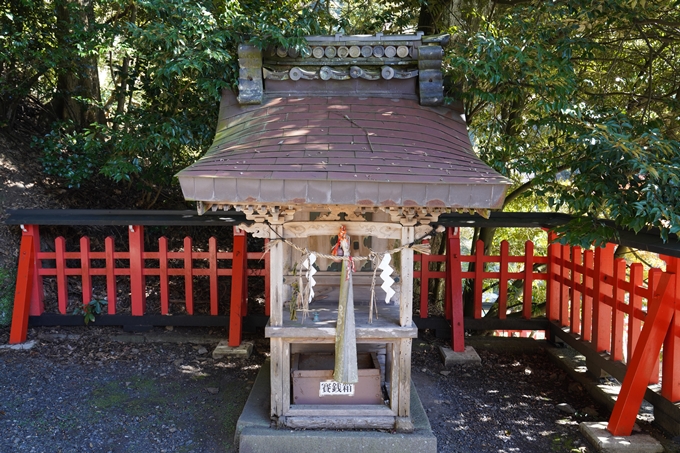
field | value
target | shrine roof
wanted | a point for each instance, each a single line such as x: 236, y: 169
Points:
x: 346, y: 120
x: 364, y: 151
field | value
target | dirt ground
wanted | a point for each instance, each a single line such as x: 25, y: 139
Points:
x: 84, y: 390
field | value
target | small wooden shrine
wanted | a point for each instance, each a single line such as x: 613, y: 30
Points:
x: 343, y: 156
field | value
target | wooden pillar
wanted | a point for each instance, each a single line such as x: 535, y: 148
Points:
x: 276, y: 279
x: 37, y: 293
x: 239, y: 264
x: 22, y: 293
x: 455, y: 287
x: 406, y: 299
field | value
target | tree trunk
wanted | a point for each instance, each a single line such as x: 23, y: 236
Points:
x: 78, y: 95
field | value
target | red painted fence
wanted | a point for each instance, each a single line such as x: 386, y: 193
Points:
x: 140, y: 265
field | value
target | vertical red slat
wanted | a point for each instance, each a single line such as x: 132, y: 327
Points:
x: 602, y: 313
x: 503, y: 281
x: 639, y: 370
x: 479, y: 279
x: 85, y: 263
x: 448, y: 263
x: 37, y: 293
x: 22, y: 292
x: 188, y: 275
x: 111, y: 285
x: 238, y: 269
x: 670, y: 382
x: 566, y: 283
x: 424, y: 284
x: 244, y: 283
x: 212, y: 252
x: 137, y: 279
x: 575, y: 291
x: 454, y: 272
x: 553, y: 285
x: 527, y: 301
x: 267, y: 305
x: 587, y: 315
x: 635, y: 303
x: 60, y: 263
x: 653, y: 278
x: 619, y: 298
x: 164, y: 279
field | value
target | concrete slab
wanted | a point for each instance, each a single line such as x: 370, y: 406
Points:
x: 605, y: 442
x: 254, y: 433
x: 26, y: 345
x: 467, y: 357
x: 243, y: 351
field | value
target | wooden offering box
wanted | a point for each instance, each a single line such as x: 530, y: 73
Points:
x: 313, y: 381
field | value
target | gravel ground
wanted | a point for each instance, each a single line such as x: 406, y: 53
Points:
x: 78, y: 390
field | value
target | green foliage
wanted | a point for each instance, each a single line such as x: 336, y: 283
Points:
x: 576, y: 102
x: 7, y: 284
x: 89, y: 310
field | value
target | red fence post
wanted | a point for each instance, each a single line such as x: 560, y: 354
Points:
x: 670, y: 371
x: 86, y: 278
x: 479, y: 279
x: 564, y: 294
x: 553, y: 285
x: 424, y: 283
x: 659, y: 317
x: 38, y: 293
x: 164, y: 278
x: 22, y: 293
x: 214, y: 299
x: 62, y: 283
x: 239, y: 264
x: 576, y: 289
x: 617, y: 318
x: 634, y: 304
x: 137, y: 279
x: 111, y: 285
x: 188, y: 275
x: 602, y: 313
x: 587, y: 315
x: 503, y: 280
x: 527, y: 302
x: 456, y: 289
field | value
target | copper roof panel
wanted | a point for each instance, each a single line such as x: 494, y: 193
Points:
x: 342, y: 150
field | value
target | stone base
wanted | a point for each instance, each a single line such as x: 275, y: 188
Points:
x: 243, y: 351
x: 596, y: 433
x: 254, y: 433
x: 467, y: 357
x: 25, y: 346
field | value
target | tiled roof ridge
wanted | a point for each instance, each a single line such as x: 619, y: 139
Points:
x: 381, y: 65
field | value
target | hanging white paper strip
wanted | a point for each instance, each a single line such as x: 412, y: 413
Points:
x: 308, y: 264
x: 386, y: 277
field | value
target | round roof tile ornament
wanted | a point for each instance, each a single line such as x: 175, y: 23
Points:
x: 387, y: 72
x: 402, y: 51
x: 325, y: 73
x: 354, y: 51
x: 281, y: 52
x: 343, y: 51
x: 378, y: 51
x: 306, y: 52
x: 366, y: 51
x: 295, y: 74
x: 390, y: 51
x: 330, y: 51
x: 293, y: 52
x: 318, y: 52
